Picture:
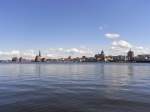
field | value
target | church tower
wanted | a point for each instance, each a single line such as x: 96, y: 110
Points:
x: 39, y: 53
x: 38, y: 58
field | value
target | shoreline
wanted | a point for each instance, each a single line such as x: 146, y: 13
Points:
x: 73, y: 62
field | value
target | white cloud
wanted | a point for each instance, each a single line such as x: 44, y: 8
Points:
x: 120, y: 46
x: 75, y: 50
x: 141, y: 50
x: 112, y: 35
x: 9, y: 54
x: 50, y: 53
x: 60, y: 49
x: 64, y: 52
x: 13, y: 52
x: 29, y: 54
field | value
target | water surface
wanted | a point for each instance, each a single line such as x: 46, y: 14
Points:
x: 90, y: 87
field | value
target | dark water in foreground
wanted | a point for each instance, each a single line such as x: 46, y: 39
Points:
x: 75, y: 87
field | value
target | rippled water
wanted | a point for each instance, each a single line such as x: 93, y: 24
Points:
x: 75, y: 87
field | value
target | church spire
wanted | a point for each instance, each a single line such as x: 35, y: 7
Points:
x: 39, y: 53
x: 102, y: 52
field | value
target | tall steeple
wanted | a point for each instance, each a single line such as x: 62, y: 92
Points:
x: 39, y: 53
x: 102, y: 52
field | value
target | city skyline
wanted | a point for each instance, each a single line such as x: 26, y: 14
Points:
x: 70, y: 53
x: 100, y: 57
x: 67, y: 27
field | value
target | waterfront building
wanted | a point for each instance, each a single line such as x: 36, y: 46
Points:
x: 130, y: 55
x: 119, y: 58
x: 51, y: 60
x: 91, y: 59
x: 20, y: 59
x: 86, y: 59
x: 38, y: 58
x: 15, y: 59
x: 100, y: 57
x: 68, y: 59
x: 23, y: 60
x: 83, y: 59
x: 143, y: 58
x: 77, y: 59
x: 43, y: 59
x: 108, y: 58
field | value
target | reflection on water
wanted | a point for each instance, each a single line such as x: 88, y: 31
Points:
x: 74, y: 87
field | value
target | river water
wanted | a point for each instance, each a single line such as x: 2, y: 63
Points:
x: 81, y: 87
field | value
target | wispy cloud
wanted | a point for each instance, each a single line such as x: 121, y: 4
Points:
x: 29, y: 54
x: 101, y: 28
x: 63, y: 52
x: 7, y: 55
x: 120, y: 46
x: 112, y: 35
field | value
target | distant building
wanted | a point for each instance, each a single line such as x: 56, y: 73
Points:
x: 108, y: 58
x: 67, y: 59
x: 20, y: 59
x: 38, y: 58
x: 130, y: 55
x: 143, y: 58
x: 91, y: 59
x: 15, y: 59
x: 43, y: 59
x: 23, y: 60
x: 77, y: 59
x: 100, y: 57
x: 83, y: 59
x: 119, y: 58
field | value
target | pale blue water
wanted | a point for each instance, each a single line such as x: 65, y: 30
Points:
x: 87, y: 87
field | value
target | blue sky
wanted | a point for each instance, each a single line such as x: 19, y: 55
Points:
x: 68, y: 24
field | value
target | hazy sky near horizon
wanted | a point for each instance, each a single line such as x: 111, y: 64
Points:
x: 74, y: 26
